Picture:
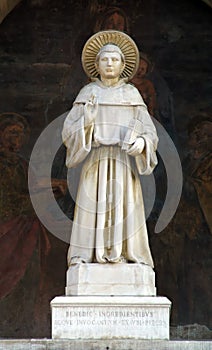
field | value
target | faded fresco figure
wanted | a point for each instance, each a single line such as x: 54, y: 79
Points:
x: 111, y: 131
x: 199, y: 162
x: 19, y: 225
x: 112, y: 18
x: 189, y: 279
x: 144, y: 85
x: 24, y: 243
x: 198, y: 201
x: 27, y: 282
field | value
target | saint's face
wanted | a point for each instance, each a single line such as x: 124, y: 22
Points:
x: 115, y: 21
x: 12, y: 138
x: 110, y: 65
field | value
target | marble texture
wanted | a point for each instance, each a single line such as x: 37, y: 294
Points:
x: 111, y: 279
x: 110, y: 130
x: 66, y: 344
x: 97, y: 317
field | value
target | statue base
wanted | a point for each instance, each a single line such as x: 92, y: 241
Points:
x: 110, y: 279
x: 110, y: 301
x: 108, y: 317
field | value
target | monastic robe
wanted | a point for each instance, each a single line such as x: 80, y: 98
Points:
x: 109, y: 220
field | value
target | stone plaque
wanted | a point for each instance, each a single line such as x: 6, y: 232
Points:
x: 110, y: 317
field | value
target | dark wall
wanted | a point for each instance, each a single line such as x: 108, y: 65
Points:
x: 40, y: 74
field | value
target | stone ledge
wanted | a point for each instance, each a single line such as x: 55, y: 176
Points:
x: 156, y: 301
x: 104, y: 344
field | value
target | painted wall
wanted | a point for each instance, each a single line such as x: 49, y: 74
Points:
x: 40, y: 74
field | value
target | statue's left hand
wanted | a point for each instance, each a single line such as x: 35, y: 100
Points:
x: 137, y: 147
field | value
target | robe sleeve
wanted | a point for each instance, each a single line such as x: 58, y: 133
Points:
x: 142, y: 126
x: 147, y: 160
x: 77, y: 136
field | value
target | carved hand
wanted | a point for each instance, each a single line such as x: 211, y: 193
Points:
x: 91, y: 109
x: 137, y: 147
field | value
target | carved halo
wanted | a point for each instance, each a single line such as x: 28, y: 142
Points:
x: 122, y: 40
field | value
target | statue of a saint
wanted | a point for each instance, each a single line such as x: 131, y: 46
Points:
x: 109, y: 128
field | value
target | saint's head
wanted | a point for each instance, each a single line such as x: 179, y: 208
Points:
x: 110, y: 54
x: 110, y: 62
x: 14, y: 132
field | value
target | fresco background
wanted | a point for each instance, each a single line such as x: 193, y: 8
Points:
x: 40, y: 75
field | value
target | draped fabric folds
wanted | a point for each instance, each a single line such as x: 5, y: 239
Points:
x: 109, y: 220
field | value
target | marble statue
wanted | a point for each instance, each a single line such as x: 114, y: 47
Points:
x: 110, y: 130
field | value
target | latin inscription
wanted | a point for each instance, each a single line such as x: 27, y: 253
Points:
x: 79, y: 317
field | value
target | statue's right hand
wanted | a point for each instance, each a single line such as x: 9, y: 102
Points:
x: 91, y: 109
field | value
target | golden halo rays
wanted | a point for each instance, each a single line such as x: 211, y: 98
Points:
x: 122, y: 40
